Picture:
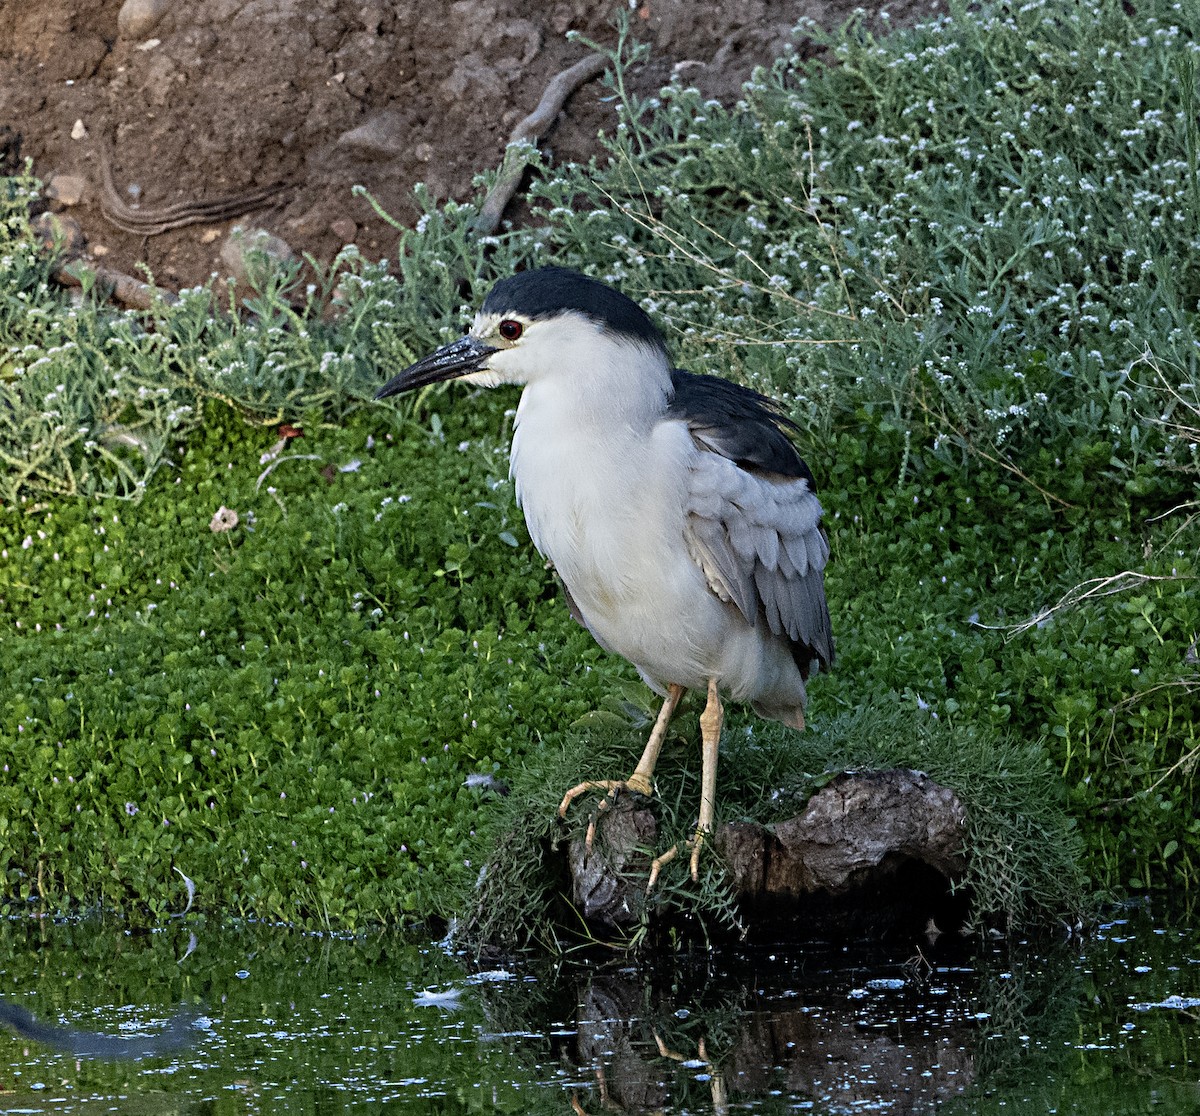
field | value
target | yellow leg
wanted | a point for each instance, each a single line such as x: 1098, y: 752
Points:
x: 644, y: 772
x: 711, y: 721
x: 642, y: 778
x: 720, y: 1094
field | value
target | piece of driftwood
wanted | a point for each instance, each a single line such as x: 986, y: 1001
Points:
x: 870, y: 839
x: 113, y: 285
x: 525, y: 136
x: 62, y: 237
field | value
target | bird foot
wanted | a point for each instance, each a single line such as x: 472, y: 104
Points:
x: 665, y: 1051
x: 614, y: 788
x: 696, y: 843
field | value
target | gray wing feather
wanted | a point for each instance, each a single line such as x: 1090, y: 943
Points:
x: 797, y: 552
x: 818, y: 549
x: 759, y: 542
x: 741, y: 535
x: 786, y: 568
x: 774, y: 608
x: 711, y: 551
x: 812, y: 614
x: 767, y: 546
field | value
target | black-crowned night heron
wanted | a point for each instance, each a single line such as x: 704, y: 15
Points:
x: 674, y: 507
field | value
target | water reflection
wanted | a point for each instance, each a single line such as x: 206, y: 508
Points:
x: 291, y: 1023
x: 828, y: 1035
x: 181, y: 1031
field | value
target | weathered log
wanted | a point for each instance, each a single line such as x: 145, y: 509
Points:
x: 869, y: 847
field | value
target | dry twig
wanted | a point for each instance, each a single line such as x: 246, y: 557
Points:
x: 1092, y: 589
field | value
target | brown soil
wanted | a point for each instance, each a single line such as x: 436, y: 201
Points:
x: 223, y: 96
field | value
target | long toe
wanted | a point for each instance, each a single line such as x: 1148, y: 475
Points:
x: 613, y: 787
x: 658, y: 864
x: 695, y: 844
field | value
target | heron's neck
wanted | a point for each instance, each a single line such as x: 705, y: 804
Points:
x: 617, y: 394
x: 580, y: 452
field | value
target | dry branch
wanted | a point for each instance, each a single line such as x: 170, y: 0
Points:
x: 1091, y: 589
x: 114, y: 285
x: 525, y: 136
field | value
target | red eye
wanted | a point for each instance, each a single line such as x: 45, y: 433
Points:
x: 511, y: 330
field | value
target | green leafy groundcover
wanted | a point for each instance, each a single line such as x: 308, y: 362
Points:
x: 964, y: 256
x: 285, y: 712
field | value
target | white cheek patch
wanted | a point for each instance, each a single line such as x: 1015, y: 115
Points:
x: 504, y: 366
x: 487, y: 378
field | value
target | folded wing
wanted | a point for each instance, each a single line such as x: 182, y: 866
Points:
x: 753, y: 521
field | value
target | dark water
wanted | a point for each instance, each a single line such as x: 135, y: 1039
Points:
x: 276, y: 1022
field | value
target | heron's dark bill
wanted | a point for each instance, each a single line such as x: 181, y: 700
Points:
x: 459, y: 358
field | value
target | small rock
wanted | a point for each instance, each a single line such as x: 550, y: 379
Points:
x: 66, y: 189
x: 78, y: 131
x: 481, y: 77
x: 209, y: 235
x: 522, y: 33
x: 314, y: 221
x: 80, y: 61
x: 137, y: 18
x: 371, y: 17
x: 326, y: 30
x: 382, y: 136
x: 423, y: 151
x: 160, y: 76
x: 54, y: 230
x: 357, y: 84
x: 251, y: 254
x: 344, y: 229
x: 100, y: 250
x: 149, y: 44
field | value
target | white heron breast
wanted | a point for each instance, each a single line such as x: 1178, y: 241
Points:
x: 606, y: 508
